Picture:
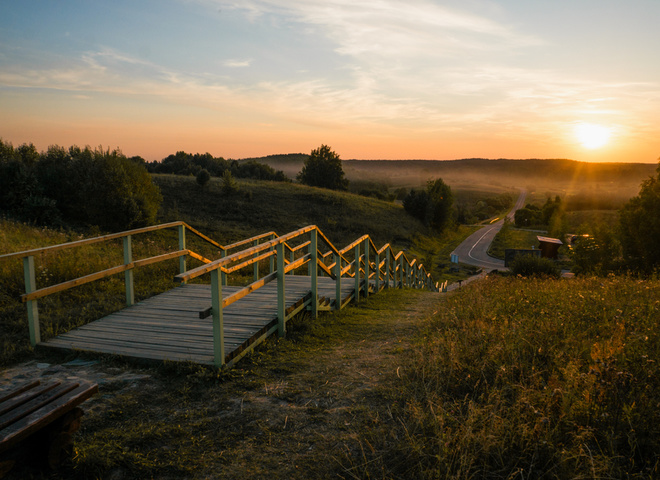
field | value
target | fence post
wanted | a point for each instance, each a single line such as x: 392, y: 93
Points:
x: 377, y: 271
x: 272, y: 259
x: 128, y: 274
x: 281, y: 304
x: 366, y: 268
x: 356, y: 264
x: 182, y: 246
x: 256, y: 265
x: 223, y: 275
x: 337, y: 282
x: 387, y: 268
x: 32, y: 308
x: 402, y: 270
x: 218, y: 323
x: 313, y: 272
x: 407, y: 274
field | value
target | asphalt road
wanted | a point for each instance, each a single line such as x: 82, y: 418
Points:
x: 473, y: 250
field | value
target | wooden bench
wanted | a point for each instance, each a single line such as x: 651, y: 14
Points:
x: 38, y: 421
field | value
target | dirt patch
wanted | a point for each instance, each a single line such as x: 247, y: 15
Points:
x: 297, y: 408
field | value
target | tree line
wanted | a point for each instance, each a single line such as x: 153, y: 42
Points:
x: 76, y: 186
x: 182, y: 163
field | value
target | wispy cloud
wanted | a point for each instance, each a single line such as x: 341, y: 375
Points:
x: 231, y: 63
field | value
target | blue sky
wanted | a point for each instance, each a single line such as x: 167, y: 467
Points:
x: 374, y: 79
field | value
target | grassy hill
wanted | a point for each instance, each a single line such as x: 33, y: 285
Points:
x: 259, y: 207
x: 555, y: 175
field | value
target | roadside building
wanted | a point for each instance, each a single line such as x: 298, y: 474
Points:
x: 549, y: 246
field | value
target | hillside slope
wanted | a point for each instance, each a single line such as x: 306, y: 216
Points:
x: 259, y: 207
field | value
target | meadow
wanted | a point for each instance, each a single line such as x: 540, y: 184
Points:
x: 508, y: 377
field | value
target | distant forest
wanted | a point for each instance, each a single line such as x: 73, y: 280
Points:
x: 182, y: 163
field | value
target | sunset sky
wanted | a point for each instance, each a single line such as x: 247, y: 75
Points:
x: 374, y: 79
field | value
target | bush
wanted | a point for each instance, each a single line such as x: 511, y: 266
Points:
x: 83, y: 186
x: 323, y: 169
x: 531, y: 265
x: 203, y: 177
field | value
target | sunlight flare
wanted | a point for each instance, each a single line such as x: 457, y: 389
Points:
x: 591, y: 135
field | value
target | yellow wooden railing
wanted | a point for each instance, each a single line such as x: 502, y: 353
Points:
x: 284, y: 254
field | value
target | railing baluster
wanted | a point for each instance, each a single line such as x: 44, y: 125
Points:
x: 218, y: 323
x: 377, y: 272
x: 313, y: 271
x: 366, y: 267
x: 338, y: 299
x: 182, y: 246
x: 128, y: 274
x: 32, y: 307
x: 356, y: 295
x: 223, y: 275
x: 256, y: 265
x: 281, y: 305
x: 272, y: 260
x: 387, y: 267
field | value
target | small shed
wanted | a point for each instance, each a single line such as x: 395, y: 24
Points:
x: 549, y: 246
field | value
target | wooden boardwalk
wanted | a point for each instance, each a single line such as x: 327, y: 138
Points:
x: 168, y: 326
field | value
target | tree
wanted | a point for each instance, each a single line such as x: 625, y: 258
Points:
x: 639, y: 220
x: 229, y: 185
x: 433, y: 206
x: 415, y: 203
x: 203, y: 177
x: 441, y: 200
x: 323, y: 169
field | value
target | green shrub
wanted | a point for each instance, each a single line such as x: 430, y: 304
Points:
x: 76, y: 186
x: 530, y: 265
x: 203, y: 177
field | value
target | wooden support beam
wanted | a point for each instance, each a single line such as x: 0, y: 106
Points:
x: 32, y: 308
x: 128, y: 274
x: 182, y: 246
x: 366, y: 268
x: 218, y: 324
x: 356, y: 266
x: 313, y: 272
x: 281, y: 306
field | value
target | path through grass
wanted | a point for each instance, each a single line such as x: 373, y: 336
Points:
x: 297, y: 408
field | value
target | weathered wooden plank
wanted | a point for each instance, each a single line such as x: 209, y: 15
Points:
x: 6, y: 395
x: 167, y: 326
x: 45, y: 414
x: 32, y: 404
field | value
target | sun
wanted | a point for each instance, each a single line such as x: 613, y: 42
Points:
x: 591, y: 135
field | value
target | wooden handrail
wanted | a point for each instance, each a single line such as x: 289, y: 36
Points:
x: 196, y: 272
x: 42, y: 292
x: 88, y: 241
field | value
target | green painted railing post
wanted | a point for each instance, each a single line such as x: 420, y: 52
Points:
x: 256, y: 265
x: 337, y: 282
x: 377, y: 272
x: 292, y: 258
x: 223, y: 275
x: 366, y: 268
x: 182, y: 246
x: 281, y: 305
x: 218, y: 324
x: 313, y: 272
x: 128, y: 274
x: 32, y: 308
x: 272, y: 259
x: 402, y: 270
x: 356, y: 296
x: 387, y: 268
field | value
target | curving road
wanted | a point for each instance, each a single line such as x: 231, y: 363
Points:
x: 473, y: 250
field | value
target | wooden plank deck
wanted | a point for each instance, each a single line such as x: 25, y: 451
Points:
x: 168, y: 327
